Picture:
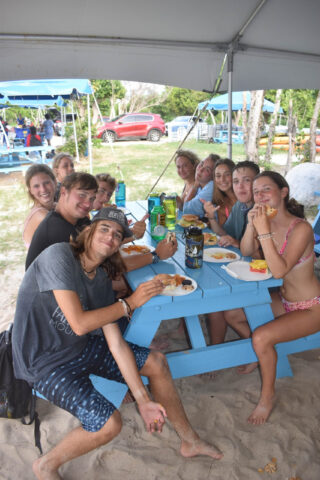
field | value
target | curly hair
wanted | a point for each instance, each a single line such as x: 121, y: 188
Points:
x: 105, y: 177
x: 189, y: 155
x: 291, y: 204
x: 112, y: 265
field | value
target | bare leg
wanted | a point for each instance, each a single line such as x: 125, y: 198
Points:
x: 163, y: 390
x: 288, y: 326
x: 238, y: 321
x: 217, y: 327
x: 75, y: 443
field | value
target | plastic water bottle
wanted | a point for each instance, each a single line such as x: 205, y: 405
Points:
x: 157, y: 221
x: 170, y: 206
x: 194, y: 247
x: 120, y: 191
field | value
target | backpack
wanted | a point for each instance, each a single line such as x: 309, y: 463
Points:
x: 16, y: 396
x: 35, y: 142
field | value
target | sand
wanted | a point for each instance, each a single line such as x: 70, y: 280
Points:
x: 217, y: 407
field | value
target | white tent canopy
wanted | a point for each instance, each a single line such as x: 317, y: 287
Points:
x: 179, y: 43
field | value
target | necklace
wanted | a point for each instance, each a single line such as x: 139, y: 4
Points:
x: 83, y: 265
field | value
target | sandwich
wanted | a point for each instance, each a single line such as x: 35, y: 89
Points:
x: 270, y: 211
x: 258, y: 266
x: 170, y: 237
x: 188, y: 217
x: 210, y: 238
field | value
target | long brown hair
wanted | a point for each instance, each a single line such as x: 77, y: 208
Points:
x: 291, y: 204
x: 35, y: 170
x: 112, y: 265
x: 220, y: 197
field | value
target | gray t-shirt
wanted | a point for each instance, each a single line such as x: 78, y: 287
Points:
x: 42, y: 338
x: 235, y: 223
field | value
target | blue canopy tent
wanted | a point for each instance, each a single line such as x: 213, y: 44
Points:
x: 221, y: 103
x: 50, y: 90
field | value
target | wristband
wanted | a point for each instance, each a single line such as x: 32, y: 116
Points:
x: 155, y: 257
x: 265, y: 236
x: 126, y: 307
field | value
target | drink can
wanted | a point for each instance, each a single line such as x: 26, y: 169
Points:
x: 194, y: 247
x: 170, y: 206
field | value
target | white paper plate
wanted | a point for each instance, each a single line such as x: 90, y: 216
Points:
x: 208, y: 252
x: 179, y: 291
x: 241, y: 270
x: 126, y: 254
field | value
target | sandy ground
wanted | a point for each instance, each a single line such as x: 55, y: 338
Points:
x: 217, y: 406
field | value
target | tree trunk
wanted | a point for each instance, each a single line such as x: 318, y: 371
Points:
x: 245, y: 120
x: 292, y: 129
x: 272, y: 126
x: 313, y: 128
x: 254, y: 125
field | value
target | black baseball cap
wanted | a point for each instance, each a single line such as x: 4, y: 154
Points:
x: 115, y: 215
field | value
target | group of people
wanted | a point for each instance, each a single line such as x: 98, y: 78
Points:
x: 74, y: 302
x: 237, y: 212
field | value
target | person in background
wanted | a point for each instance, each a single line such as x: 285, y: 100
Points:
x: 106, y: 187
x: 33, y: 140
x: 20, y: 121
x: 62, y: 166
x: 232, y: 231
x: 41, y: 185
x: 202, y: 189
x: 287, y: 242
x: 223, y: 195
x: 186, y: 163
x: 47, y: 128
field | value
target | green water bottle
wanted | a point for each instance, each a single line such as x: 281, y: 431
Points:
x: 170, y: 206
x: 157, y: 222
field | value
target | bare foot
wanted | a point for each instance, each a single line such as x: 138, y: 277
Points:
x: 209, y: 375
x: 261, y: 413
x: 200, y: 447
x: 244, y: 369
x: 43, y: 472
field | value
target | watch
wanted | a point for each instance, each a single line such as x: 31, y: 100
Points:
x: 155, y: 257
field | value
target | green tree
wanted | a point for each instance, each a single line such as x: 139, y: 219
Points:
x: 106, y: 92
x: 180, y: 101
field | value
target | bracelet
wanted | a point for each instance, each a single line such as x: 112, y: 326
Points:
x: 126, y: 307
x: 265, y: 236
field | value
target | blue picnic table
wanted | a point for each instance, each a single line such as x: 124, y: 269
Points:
x: 217, y: 291
x: 19, y: 158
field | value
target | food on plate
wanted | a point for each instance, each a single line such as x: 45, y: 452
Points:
x: 218, y: 255
x: 170, y: 237
x: 187, y: 285
x: 270, y: 211
x: 230, y: 255
x: 170, y: 282
x: 258, y: 266
x: 188, y: 217
x: 210, y: 238
x: 135, y: 249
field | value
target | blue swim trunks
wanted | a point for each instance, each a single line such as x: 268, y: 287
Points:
x: 70, y: 387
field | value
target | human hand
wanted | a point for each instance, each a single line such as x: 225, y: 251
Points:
x: 139, y: 227
x: 153, y: 415
x: 209, y: 208
x: 227, y: 241
x: 260, y: 219
x: 166, y: 249
x: 144, y: 292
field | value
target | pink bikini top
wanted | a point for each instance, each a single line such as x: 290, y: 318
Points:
x: 291, y: 227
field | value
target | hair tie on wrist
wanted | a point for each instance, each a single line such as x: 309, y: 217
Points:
x: 265, y: 236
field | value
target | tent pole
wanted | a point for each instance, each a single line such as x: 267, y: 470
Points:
x: 230, y: 71
x: 89, y: 134
x: 75, y: 133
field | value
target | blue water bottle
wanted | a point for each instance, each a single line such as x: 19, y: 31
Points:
x: 120, y: 191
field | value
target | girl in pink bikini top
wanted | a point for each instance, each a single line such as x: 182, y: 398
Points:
x: 282, y: 249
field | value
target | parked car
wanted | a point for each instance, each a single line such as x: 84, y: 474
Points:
x: 179, y: 126
x: 133, y: 125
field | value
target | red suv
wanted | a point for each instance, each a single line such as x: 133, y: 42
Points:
x: 133, y: 125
